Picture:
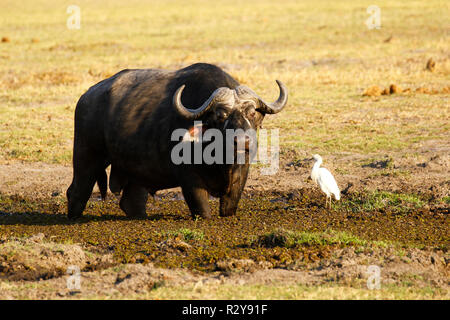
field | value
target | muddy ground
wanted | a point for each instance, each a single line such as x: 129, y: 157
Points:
x: 423, y: 170
x: 121, y: 258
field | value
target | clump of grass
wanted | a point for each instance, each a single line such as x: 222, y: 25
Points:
x: 446, y: 199
x: 292, y: 239
x: 385, y: 163
x: 187, y: 234
x: 381, y: 200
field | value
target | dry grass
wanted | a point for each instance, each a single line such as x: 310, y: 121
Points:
x: 295, y: 292
x: 322, y: 50
x: 251, y: 292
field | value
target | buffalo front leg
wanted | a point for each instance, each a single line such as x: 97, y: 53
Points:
x: 229, y: 201
x: 134, y: 200
x: 197, y: 201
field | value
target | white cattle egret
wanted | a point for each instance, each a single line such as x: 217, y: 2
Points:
x: 325, y: 180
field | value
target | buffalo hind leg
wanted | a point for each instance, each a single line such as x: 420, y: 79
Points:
x: 133, y: 201
x: 102, y: 182
x: 197, y: 201
x: 79, y: 192
x: 116, y: 181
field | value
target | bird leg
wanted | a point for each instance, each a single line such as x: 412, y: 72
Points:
x: 329, y: 201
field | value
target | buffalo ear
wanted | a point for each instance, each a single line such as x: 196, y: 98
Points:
x: 195, y: 132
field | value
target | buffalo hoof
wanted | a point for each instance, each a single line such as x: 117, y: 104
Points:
x: 136, y: 215
x: 75, y: 209
x: 73, y: 217
x: 133, y: 211
x: 133, y: 201
x: 228, y: 213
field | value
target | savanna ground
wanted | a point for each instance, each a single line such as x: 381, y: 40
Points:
x: 388, y: 152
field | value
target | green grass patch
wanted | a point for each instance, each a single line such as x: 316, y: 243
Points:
x: 381, y: 200
x: 292, y: 239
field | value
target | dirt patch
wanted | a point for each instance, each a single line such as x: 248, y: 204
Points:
x: 36, y: 180
x: 34, y: 259
x: 397, y: 265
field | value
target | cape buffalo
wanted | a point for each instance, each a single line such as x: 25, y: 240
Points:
x: 127, y: 121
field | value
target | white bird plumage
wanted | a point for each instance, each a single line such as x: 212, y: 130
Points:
x: 325, y: 180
